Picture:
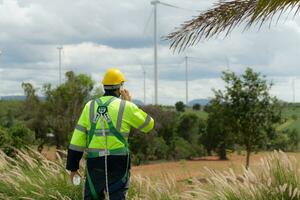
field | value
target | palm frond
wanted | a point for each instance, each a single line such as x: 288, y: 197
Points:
x: 227, y: 15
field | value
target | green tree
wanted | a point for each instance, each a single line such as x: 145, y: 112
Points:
x: 188, y: 128
x: 65, y: 103
x: 10, y: 111
x: 196, y: 106
x: 227, y: 15
x: 180, y: 107
x: 34, y: 114
x: 252, y: 108
x: 220, y: 134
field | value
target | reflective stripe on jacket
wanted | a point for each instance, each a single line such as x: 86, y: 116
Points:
x: 124, y: 116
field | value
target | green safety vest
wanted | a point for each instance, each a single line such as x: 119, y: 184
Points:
x: 124, y: 116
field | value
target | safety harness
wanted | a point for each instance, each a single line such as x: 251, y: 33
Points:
x: 102, y: 114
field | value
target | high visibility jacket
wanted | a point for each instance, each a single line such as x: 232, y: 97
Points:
x: 124, y: 116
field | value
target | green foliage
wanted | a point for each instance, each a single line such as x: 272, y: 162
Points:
x: 10, y: 110
x: 180, y: 107
x: 158, y: 149
x: 287, y: 140
x: 196, y: 106
x: 64, y: 104
x: 16, y: 137
x: 182, y: 149
x: 5, y: 141
x: 175, y: 136
x: 220, y: 134
x: 251, y: 109
x: 21, y: 136
x: 34, y: 113
x: 188, y: 127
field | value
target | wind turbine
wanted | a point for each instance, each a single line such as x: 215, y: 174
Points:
x: 1, y: 73
x: 155, y: 3
x: 144, y: 73
x: 59, y: 48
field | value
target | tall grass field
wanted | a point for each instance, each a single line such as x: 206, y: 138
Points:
x: 31, y: 176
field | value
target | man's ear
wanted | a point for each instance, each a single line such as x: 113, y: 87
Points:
x: 118, y: 91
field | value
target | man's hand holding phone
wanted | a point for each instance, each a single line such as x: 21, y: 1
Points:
x: 125, y: 95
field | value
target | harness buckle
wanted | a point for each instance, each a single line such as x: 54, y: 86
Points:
x: 102, y: 110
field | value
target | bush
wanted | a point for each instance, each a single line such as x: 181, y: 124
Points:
x: 157, y: 149
x: 280, y: 142
x: 180, y: 106
x: 196, y: 106
x: 21, y: 136
x: 18, y: 136
x: 188, y: 127
x: 182, y: 149
x: 5, y: 141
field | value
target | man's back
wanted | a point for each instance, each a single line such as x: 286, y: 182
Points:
x: 124, y: 115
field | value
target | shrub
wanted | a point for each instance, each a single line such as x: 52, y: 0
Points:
x: 180, y: 106
x: 5, y: 141
x: 21, y: 136
x: 182, y: 149
x: 196, y: 106
x: 188, y: 127
x: 157, y: 149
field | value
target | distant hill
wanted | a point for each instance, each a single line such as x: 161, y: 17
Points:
x: 138, y: 102
x: 16, y: 97
x: 202, y: 102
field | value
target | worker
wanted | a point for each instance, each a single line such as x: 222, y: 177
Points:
x: 102, y: 131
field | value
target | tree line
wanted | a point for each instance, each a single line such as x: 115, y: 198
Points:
x: 242, y: 117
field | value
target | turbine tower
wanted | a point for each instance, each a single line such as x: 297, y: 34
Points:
x: 59, y: 62
x: 155, y: 39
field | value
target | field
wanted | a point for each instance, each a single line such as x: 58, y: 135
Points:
x: 184, y: 170
x: 30, y: 176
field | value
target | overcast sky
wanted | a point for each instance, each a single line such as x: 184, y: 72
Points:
x: 97, y: 35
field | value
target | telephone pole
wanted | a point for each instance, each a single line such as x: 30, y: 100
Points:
x: 60, y: 48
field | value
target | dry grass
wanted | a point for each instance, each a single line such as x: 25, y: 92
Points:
x: 189, y: 169
x: 31, y: 176
x: 276, y: 176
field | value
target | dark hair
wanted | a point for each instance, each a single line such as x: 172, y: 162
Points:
x: 110, y: 92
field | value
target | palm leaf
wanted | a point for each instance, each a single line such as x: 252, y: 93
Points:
x: 227, y: 15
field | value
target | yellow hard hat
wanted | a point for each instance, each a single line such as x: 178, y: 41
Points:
x: 113, y: 79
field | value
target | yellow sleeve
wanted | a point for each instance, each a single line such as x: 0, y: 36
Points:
x: 138, y: 119
x: 78, y: 141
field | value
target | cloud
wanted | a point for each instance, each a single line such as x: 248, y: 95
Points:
x: 117, y: 33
